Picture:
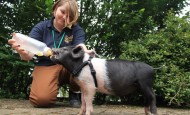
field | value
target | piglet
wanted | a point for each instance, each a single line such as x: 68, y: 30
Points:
x: 114, y: 77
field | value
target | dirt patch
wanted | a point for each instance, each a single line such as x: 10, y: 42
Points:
x: 23, y: 107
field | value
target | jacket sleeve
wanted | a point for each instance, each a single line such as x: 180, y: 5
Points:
x: 37, y: 32
x: 78, y: 35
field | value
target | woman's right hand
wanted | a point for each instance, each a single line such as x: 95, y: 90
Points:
x: 25, y: 55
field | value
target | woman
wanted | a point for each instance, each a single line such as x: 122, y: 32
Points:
x: 61, y: 30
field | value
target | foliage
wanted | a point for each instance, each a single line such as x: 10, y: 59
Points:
x: 110, y: 22
x: 168, y: 49
x: 13, y: 75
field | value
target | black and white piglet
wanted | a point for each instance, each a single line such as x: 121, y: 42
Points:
x: 115, y: 77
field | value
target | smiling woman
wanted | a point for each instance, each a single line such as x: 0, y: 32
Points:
x: 65, y: 13
x: 61, y: 30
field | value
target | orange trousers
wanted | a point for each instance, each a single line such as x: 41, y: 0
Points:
x: 46, y: 82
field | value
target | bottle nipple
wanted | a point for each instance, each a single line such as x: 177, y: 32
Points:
x: 39, y: 53
x: 48, y: 52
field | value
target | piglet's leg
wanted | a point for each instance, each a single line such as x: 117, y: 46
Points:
x: 88, y: 92
x: 88, y: 97
x: 147, y: 110
x: 83, y: 106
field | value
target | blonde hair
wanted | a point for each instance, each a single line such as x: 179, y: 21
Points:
x: 71, y: 10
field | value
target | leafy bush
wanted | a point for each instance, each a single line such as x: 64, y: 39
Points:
x: 14, y: 75
x: 168, y: 50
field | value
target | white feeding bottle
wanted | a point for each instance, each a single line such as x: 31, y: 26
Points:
x: 32, y: 45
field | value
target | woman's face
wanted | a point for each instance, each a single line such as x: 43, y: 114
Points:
x: 60, y: 15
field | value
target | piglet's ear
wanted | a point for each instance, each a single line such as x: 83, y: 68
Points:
x: 77, y: 52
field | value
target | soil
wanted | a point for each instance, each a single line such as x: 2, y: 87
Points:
x: 23, y: 107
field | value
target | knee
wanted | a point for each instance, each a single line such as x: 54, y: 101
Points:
x: 42, y: 100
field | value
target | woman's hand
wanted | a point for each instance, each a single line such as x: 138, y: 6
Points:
x: 25, y: 55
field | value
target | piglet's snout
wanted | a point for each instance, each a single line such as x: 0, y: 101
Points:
x: 55, y: 52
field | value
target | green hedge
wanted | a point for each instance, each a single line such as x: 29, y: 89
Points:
x: 168, y: 50
x: 14, y: 77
